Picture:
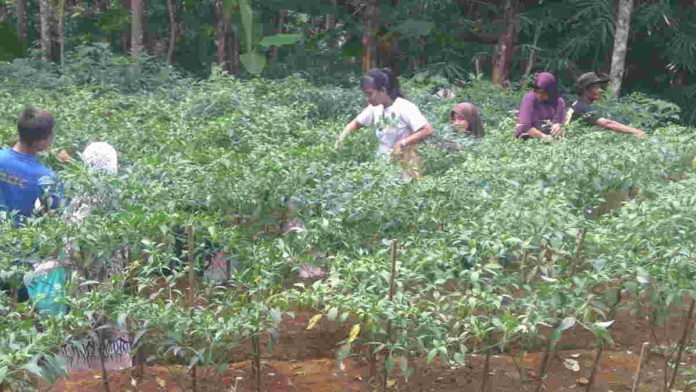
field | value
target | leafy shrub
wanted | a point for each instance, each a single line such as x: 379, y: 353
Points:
x: 93, y: 63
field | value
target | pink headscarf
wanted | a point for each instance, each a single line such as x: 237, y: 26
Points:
x: 469, y: 112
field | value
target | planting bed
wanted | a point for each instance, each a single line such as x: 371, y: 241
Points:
x: 339, y: 271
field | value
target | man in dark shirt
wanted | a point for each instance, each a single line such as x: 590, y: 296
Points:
x: 589, y: 88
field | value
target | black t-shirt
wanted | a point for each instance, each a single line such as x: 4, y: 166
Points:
x: 584, y: 111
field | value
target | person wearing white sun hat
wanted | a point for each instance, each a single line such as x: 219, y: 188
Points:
x: 101, y: 155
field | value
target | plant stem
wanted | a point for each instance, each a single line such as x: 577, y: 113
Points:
x: 544, y: 364
x: 194, y: 379
x: 392, y: 289
x: 636, y: 382
x: 579, y: 246
x: 523, y: 265
x: 257, y: 361
x: 682, y: 342
x: 371, y: 357
x: 102, y: 360
x: 595, y: 365
x: 600, y: 342
x: 519, y: 371
x: 486, y: 370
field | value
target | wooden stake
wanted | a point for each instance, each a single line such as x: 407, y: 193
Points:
x: 682, y: 343
x: 639, y: 368
x: 392, y: 290
x: 393, y: 269
x: 191, y: 245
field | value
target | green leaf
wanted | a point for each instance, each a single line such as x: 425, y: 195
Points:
x: 604, y: 325
x: 431, y: 354
x: 247, y: 17
x: 3, y: 373
x: 253, y: 61
x: 332, y: 314
x: 343, y: 352
x: 460, y: 358
x: 280, y: 40
x: 567, y: 323
x: 414, y: 28
x: 403, y: 364
x: 389, y: 364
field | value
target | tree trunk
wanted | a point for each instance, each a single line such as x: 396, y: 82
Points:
x: 46, y: 16
x: 4, y: 13
x: 502, y: 53
x: 136, y: 44
x: 61, y: 30
x: 618, y: 59
x: 371, y: 20
x: 282, y: 19
x: 172, y: 32
x: 22, y: 21
x: 227, y: 42
x: 125, y: 35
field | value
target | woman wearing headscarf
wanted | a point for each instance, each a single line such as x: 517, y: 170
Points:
x: 542, y: 111
x: 51, y: 273
x: 465, y: 118
x: 400, y: 125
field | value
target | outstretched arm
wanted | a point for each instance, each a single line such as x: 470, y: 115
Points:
x: 352, y: 126
x: 425, y: 132
x: 616, y: 126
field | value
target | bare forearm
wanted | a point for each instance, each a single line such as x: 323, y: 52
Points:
x: 419, y: 136
x: 533, y: 132
x: 352, y: 126
x: 618, y: 127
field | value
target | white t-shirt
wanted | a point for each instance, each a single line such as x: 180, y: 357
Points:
x: 394, y: 123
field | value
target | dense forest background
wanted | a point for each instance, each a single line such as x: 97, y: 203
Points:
x: 649, y: 45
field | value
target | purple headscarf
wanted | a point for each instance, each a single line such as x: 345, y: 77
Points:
x: 534, y: 113
x: 548, y: 83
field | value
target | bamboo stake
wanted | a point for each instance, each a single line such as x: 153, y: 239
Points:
x: 392, y: 289
x: 191, y: 248
x: 682, y: 343
x: 639, y: 368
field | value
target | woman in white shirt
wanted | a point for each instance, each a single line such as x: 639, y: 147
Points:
x: 399, y: 124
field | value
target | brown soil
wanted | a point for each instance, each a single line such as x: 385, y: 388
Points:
x: 303, y: 360
x: 323, y: 375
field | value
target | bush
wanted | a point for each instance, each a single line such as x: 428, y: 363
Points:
x: 92, y: 63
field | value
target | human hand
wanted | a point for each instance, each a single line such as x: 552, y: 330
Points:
x: 397, y: 149
x: 557, y: 130
x: 640, y: 135
x: 548, y: 138
x: 339, y: 142
x: 63, y: 156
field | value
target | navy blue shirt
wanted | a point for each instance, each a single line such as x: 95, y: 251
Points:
x: 23, y: 180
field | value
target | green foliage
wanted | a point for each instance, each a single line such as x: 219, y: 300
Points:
x: 229, y: 156
x: 92, y: 64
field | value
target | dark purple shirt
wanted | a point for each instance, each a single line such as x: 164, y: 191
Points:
x: 533, y: 114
